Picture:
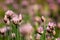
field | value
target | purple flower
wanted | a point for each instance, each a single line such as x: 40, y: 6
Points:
x: 9, y: 13
x: 24, y: 4
x: 40, y: 29
x: 48, y: 29
x: 51, y: 24
x: 26, y: 29
x: 15, y: 20
x: 4, y: 29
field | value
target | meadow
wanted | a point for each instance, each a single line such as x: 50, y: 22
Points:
x: 29, y: 19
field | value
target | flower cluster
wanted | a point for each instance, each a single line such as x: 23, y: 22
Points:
x: 13, y: 17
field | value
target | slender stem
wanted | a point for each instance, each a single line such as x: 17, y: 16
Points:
x: 17, y: 33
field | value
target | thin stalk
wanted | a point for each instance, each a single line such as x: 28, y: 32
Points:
x: 17, y: 33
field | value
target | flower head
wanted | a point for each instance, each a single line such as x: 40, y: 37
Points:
x: 6, y: 20
x: 24, y: 4
x: 26, y: 29
x: 51, y: 24
x: 40, y: 29
x: 9, y: 13
x: 15, y: 20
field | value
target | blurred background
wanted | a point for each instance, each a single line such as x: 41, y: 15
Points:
x: 48, y: 8
x: 32, y: 12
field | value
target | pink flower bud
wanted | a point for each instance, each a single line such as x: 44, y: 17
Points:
x: 20, y: 17
x: 3, y: 30
x: 48, y: 29
x: 15, y: 20
x: 43, y: 19
x: 51, y: 24
x: 6, y: 20
x: 40, y: 29
x: 14, y: 15
x: 9, y: 13
x: 13, y: 35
